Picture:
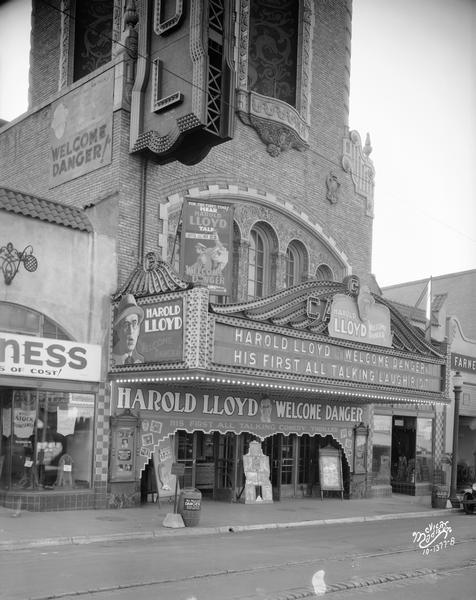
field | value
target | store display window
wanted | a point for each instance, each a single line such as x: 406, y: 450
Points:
x: 424, y: 455
x: 381, y: 452
x: 403, y: 452
x: 46, y: 440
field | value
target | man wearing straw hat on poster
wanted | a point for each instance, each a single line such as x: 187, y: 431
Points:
x: 127, y: 324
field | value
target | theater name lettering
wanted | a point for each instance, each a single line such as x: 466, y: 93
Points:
x: 346, y: 322
x: 174, y: 403
x: 242, y: 347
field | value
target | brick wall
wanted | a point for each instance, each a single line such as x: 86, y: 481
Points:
x: 45, y: 51
x: 294, y: 177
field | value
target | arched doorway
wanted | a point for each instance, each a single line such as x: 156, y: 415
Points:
x: 294, y: 464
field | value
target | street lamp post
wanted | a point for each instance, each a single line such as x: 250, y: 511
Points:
x: 457, y: 387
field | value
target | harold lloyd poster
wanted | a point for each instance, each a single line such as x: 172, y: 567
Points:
x: 207, y: 245
x: 147, y: 333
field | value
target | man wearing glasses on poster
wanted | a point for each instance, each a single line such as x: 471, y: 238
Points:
x: 126, y: 332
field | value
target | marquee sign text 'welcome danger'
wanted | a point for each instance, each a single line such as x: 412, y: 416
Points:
x: 241, y: 347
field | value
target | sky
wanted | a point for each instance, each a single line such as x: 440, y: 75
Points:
x: 413, y: 89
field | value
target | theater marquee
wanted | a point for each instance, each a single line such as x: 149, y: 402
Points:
x: 163, y: 410
x: 251, y: 349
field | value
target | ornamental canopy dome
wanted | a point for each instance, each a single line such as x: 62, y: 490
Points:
x: 152, y: 277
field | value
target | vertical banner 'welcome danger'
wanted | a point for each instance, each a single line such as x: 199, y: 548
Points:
x: 207, y: 245
x: 80, y: 134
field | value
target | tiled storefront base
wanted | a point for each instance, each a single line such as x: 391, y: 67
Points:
x: 39, y: 501
x: 377, y: 491
x: 409, y: 489
x: 412, y: 489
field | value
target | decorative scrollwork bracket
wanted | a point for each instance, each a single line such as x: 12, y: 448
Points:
x: 11, y: 259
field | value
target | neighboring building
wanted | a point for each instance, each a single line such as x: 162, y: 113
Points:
x: 453, y: 319
x: 459, y: 289
x: 55, y: 276
x: 210, y: 140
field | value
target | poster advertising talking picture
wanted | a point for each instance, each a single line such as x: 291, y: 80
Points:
x: 207, y: 242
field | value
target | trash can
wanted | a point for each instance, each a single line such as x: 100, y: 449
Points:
x: 439, y: 496
x: 189, y: 506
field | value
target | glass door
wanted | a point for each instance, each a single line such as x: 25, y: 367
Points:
x: 308, y: 472
x: 287, y: 465
x: 186, y: 452
x: 403, y: 454
x: 272, y: 447
x: 225, y: 466
x: 196, y: 451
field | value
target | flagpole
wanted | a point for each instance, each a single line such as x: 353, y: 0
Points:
x: 178, y: 232
x: 429, y: 299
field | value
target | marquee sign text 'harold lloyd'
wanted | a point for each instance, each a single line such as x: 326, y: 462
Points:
x: 164, y: 410
x: 240, y: 346
x: 357, y: 318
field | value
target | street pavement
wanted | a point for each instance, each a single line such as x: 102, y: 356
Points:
x: 23, y: 529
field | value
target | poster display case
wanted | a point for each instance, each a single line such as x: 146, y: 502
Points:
x: 124, y: 431
x: 330, y: 470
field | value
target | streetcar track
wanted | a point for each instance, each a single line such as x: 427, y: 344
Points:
x: 379, y: 580
x: 257, y: 569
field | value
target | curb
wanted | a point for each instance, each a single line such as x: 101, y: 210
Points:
x: 194, y: 531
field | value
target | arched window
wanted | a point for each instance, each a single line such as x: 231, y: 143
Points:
x: 259, y: 263
x: 25, y: 321
x: 324, y: 273
x: 274, y: 70
x: 273, y: 49
x: 296, y: 264
x: 93, y: 23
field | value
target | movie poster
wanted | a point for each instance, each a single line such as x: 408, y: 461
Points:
x: 147, y: 333
x: 163, y: 458
x: 207, y: 245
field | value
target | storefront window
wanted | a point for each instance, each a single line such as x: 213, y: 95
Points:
x: 403, y: 452
x: 466, y: 469
x: 382, y: 442
x: 423, y: 470
x: 47, y: 440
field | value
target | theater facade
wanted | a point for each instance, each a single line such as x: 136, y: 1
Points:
x: 320, y: 374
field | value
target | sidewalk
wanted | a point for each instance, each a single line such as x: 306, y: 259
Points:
x: 34, y: 529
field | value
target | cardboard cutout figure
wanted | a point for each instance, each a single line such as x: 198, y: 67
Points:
x: 256, y: 466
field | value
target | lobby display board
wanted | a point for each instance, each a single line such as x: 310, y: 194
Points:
x: 330, y: 470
